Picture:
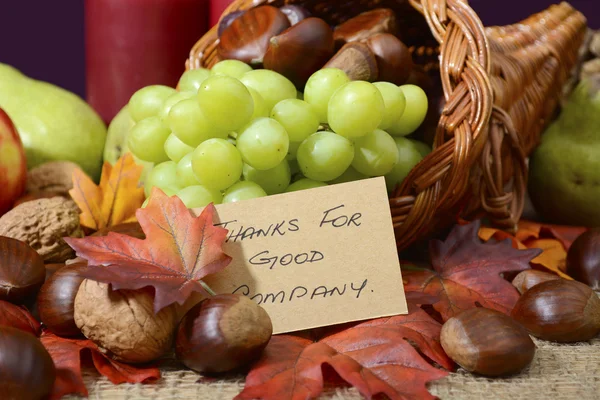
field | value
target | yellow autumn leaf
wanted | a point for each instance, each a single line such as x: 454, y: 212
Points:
x: 115, y: 200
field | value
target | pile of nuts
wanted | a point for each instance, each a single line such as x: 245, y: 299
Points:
x: 291, y: 42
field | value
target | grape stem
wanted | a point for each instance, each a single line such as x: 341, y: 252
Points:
x: 208, y: 289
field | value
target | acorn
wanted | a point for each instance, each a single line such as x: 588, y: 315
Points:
x: 22, y: 271
x: 222, y: 333
x: 487, y: 342
x: 583, y: 259
x: 27, y: 371
x: 560, y: 311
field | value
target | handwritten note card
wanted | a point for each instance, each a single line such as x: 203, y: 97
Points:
x: 314, y: 258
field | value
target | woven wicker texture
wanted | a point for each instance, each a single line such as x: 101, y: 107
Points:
x: 558, y: 372
x: 500, y: 86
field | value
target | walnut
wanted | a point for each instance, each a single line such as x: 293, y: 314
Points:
x: 53, y: 176
x: 42, y: 224
x: 123, y: 323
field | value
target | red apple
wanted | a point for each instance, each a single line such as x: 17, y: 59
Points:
x: 13, y: 166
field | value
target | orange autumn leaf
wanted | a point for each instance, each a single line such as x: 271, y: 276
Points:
x: 115, y: 200
x: 553, y: 257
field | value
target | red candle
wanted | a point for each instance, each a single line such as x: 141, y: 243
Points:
x: 135, y: 43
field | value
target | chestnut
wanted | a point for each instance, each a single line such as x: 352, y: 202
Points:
x: 22, y: 271
x: 365, y: 25
x: 583, y: 259
x: 560, y: 311
x: 487, y: 342
x: 27, y: 371
x: 295, y: 13
x: 394, y: 60
x: 247, y: 37
x: 222, y: 333
x: 227, y: 20
x: 357, y: 61
x: 300, y: 51
x: 56, y: 300
x: 527, y: 279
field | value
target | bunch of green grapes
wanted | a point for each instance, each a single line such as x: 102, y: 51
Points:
x: 233, y: 133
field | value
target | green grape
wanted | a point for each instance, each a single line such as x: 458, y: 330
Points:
x: 273, y: 181
x: 394, y: 101
x: 273, y: 87
x: 192, y: 79
x: 297, y: 117
x: 422, y: 148
x: 243, y: 190
x: 324, y: 156
x: 414, y: 112
x: 355, y: 109
x: 199, y: 196
x: 217, y: 164
x: 225, y: 102
x: 321, y: 86
x: 408, y: 157
x: 171, y: 101
x: 189, y: 123
x: 263, y: 143
x: 375, y: 154
x: 304, y: 184
x: 148, y: 101
x: 147, y: 138
x: 233, y: 68
x: 293, y: 151
x: 260, y: 106
x: 350, y: 175
x: 164, y: 177
x: 185, y: 173
x: 176, y: 149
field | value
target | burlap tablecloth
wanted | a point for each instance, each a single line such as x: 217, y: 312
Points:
x: 557, y: 372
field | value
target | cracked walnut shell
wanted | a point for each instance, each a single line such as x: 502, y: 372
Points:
x: 123, y: 323
x: 42, y: 224
x: 54, y: 176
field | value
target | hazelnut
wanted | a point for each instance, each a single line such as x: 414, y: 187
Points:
x: 123, y: 322
x: 27, y: 371
x: 53, y: 176
x: 22, y: 271
x: 42, y: 224
x: 583, y: 259
x: 527, y: 279
x: 487, y: 342
x: 222, y: 333
x: 56, y: 301
x: 560, y: 311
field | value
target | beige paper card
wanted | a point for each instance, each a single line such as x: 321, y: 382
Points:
x: 316, y: 257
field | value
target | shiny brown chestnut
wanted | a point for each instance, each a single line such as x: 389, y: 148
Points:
x: 560, y: 311
x: 27, y: 371
x: 300, y: 50
x: 295, y: 13
x: 56, y: 300
x: 357, y: 61
x: 487, y: 342
x: 222, y: 333
x: 394, y: 60
x: 227, y: 20
x: 22, y: 271
x: 365, y: 25
x: 583, y: 259
x: 248, y: 36
x: 527, y: 279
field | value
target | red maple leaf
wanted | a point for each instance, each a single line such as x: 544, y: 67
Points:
x: 179, y: 250
x: 467, y: 271
x: 18, y: 317
x: 67, y: 356
x: 375, y: 357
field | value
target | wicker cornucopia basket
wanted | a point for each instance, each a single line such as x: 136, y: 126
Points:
x: 500, y: 86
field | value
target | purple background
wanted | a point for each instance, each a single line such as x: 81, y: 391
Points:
x: 45, y: 38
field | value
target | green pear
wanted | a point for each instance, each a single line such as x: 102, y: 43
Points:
x: 116, y: 141
x: 54, y: 124
x: 564, y: 171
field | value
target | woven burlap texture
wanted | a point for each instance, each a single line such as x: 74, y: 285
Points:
x: 557, y: 372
